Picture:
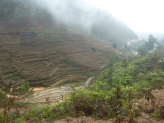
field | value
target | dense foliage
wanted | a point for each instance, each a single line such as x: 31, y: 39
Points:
x: 149, y: 46
x: 127, y: 73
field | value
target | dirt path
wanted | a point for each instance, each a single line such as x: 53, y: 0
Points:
x: 39, y: 89
x: 88, y: 81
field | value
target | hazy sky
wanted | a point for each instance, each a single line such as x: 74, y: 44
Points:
x: 139, y: 15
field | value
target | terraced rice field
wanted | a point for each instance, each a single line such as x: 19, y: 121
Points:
x: 53, y: 93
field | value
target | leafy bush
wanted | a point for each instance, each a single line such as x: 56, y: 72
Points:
x: 66, y: 60
x: 7, y: 104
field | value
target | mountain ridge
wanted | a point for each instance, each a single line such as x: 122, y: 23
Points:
x: 37, y: 48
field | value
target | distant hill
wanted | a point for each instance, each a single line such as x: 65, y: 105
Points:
x: 39, y: 47
x: 89, y: 20
x: 93, y: 22
x: 108, y: 28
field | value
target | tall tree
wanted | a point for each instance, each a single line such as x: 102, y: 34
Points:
x: 26, y: 87
x: 159, y: 46
x: 141, y: 52
x: 150, y: 44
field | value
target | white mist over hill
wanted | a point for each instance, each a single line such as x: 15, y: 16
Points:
x: 71, y: 12
x: 139, y: 15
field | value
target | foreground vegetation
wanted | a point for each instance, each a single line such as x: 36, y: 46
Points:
x: 110, y: 97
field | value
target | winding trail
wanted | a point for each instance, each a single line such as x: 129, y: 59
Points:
x: 132, y: 41
x: 88, y: 81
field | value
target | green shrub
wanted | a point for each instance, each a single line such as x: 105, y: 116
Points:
x: 25, y: 88
x: 66, y: 60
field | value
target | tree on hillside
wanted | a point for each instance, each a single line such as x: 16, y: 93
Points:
x: 159, y: 46
x: 162, y: 40
x: 114, y: 45
x: 26, y: 87
x: 113, y: 58
x: 127, y: 47
x: 151, y: 42
x: 141, y: 52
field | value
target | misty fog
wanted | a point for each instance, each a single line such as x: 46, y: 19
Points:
x: 72, y: 12
x: 80, y: 16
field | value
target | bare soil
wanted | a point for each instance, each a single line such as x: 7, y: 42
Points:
x: 39, y: 89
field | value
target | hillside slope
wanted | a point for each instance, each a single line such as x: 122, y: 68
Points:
x: 106, y: 27
x: 49, y: 52
x: 89, y: 20
x: 36, y: 47
x: 92, y: 21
